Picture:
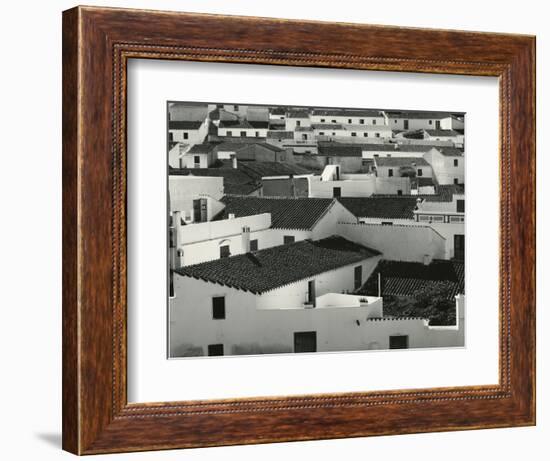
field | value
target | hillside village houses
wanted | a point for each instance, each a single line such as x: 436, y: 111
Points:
x: 287, y: 234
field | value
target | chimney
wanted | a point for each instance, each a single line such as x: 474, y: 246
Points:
x: 245, y: 235
x: 231, y: 216
x: 234, y: 161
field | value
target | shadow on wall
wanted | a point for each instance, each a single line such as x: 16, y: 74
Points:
x: 256, y: 349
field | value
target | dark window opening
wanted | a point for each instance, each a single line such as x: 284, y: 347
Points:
x: 336, y: 192
x: 455, y: 162
x: 460, y: 206
x: 243, y: 134
x: 254, y: 245
x: 215, y: 350
x: 390, y: 172
x: 185, y: 135
x: 399, y: 342
x: 357, y: 277
x: 224, y: 251
x: 419, y: 172
x: 287, y: 239
x: 311, y: 292
x: 218, y: 307
x: 305, y: 341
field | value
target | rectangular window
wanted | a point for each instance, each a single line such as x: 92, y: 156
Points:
x: 349, y: 120
x: 459, y: 246
x: 215, y: 350
x: 357, y: 277
x: 399, y: 342
x: 386, y: 223
x: 455, y: 162
x: 419, y: 172
x: 336, y: 192
x: 287, y: 239
x: 361, y: 121
x: 305, y: 341
x: 365, y: 134
x: 322, y: 120
x: 311, y: 292
x: 298, y: 123
x: 254, y: 245
x: 243, y: 134
x: 321, y: 133
x: 399, y: 192
x: 430, y: 122
x: 405, y: 124
x: 455, y: 180
x: 374, y: 122
x: 224, y: 251
x: 257, y: 134
x: 218, y: 307
x: 229, y: 133
x: 185, y: 135
x: 390, y: 172
x: 460, y: 206
x: 235, y: 107
x: 200, y: 210
x: 353, y: 133
x: 376, y: 135
x: 438, y: 124
x: 333, y: 121
x: 197, y: 159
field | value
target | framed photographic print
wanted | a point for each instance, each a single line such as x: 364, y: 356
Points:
x: 287, y: 230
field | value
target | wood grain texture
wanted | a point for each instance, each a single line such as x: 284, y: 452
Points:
x: 97, y: 43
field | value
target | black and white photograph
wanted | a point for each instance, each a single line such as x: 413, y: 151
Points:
x: 313, y: 229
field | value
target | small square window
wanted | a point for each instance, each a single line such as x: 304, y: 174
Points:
x: 365, y: 134
x: 218, y: 307
x: 243, y: 134
x: 185, y: 135
x: 235, y: 107
x: 229, y: 133
x: 353, y: 133
x: 374, y: 122
x: 322, y: 120
x: 361, y: 121
x: 287, y: 239
x: 215, y: 350
x: 254, y: 245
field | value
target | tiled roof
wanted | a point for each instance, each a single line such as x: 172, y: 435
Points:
x: 183, y: 125
x: 400, y: 161
x: 400, y: 278
x: 277, y: 110
x: 235, y: 181
x: 303, y: 128
x: 297, y: 114
x: 339, y: 149
x: 274, y: 267
x: 348, y: 112
x: 235, y: 124
x: 442, y: 132
x: 421, y: 182
x: 386, y: 207
x: 280, y: 134
x: 426, y: 115
x: 204, y: 148
x: 260, y: 169
x: 451, y: 151
x: 259, y: 124
x: 286, y: 213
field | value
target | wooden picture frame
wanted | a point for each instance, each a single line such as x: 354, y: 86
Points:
x: 97, y: 43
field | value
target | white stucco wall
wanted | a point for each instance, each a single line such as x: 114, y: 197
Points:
x: 444, y: 169
x: 397, y: 242
x: 248, y: 330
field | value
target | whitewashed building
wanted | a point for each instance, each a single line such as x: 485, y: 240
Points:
x: 447, y: 164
